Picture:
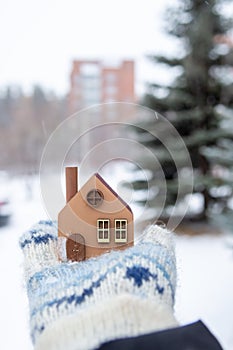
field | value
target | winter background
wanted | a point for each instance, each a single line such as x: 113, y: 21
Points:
x: 38, y: 42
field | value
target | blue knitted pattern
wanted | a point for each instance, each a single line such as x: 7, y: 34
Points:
x: 55, y: 289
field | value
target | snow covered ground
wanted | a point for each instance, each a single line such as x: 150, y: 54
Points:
x: 205, y: 275
x: 205, y: 283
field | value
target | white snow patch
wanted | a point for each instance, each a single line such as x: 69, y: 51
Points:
x: 14, y: 315
x: 205, y: 283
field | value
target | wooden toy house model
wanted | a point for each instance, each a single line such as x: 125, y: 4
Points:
x: 94, y: 220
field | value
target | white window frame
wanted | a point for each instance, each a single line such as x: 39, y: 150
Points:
x: 103, y: 230
x: 121, y: 230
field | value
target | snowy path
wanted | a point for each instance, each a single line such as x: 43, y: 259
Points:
x: 205, y: 275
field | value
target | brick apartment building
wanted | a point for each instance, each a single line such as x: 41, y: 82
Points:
x: 94, y: 82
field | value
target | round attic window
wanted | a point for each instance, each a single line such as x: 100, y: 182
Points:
x: 95, y: 198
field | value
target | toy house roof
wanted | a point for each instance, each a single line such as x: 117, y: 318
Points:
x: 113, y: 192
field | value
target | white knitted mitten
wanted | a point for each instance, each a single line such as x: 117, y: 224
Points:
x: 81, y: 305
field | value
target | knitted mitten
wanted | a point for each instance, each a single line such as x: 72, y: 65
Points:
x: 81, y: 305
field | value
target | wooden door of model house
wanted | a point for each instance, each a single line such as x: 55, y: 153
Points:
x: 75, y: 247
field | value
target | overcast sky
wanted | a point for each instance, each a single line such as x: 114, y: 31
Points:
x: 39, y: 39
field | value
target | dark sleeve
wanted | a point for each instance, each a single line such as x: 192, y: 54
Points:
x: 195, y: 336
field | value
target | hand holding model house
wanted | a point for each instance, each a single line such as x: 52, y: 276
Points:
x: 89, y: 300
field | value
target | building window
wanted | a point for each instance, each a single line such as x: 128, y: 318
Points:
x: 103, y: 231
x: 111, y: 90
x: 120, y: 231
x: 111, y: 78
x: 95, y: 198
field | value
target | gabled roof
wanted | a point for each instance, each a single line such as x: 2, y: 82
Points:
x: 113, y: 192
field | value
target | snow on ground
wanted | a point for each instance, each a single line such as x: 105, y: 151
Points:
x: 26, y: 209
x: 205, y: 283
x: 205, y: 275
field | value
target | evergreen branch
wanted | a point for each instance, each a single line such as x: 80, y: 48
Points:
x: 172, y: 62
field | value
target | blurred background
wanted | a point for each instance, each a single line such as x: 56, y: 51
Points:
x: 174, y: 57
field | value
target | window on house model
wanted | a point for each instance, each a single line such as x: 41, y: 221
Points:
x: 120, y: 231
x: 103, y: 231
x: 95, y: 198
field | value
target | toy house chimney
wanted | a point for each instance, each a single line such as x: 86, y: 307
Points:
x: 71, y: 182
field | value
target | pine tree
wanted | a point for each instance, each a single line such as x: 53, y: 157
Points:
x: 199, y: 104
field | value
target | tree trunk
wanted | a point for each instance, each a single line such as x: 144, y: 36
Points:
x: 204, y: 167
